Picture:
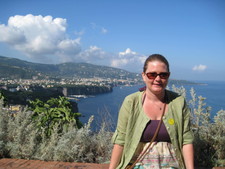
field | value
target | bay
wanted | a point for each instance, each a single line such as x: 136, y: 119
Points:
x: 106, y: 106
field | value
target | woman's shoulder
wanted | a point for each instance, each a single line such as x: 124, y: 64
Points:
x: 133, y: 96
x: 174, y: 97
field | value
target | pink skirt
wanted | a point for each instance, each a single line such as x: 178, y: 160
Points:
x: 161, y: 155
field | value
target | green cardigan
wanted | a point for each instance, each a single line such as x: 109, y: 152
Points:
x: 132, y: 121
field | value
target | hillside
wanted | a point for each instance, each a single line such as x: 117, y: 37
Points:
x: 15, y: 68
x: 12, y: 68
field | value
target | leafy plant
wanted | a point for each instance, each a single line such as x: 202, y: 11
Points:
x: 56, y: 111
x: 3, y: 98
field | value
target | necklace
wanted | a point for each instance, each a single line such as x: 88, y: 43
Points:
x: 160, y: 108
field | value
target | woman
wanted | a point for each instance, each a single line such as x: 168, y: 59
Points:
x: 139, y: 117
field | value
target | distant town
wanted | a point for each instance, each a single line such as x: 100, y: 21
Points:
x: 26, y: 84
x: 18, y: 92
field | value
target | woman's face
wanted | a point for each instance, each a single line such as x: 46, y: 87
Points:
x: 156, y: 84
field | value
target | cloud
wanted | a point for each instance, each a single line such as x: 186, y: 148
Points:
x: 199, y: 67
x: 39, y: 37
x: 104, y: 31
x: 123, y: 58
x: 127, y: 52
x: 98, y: 28
x: 92, y: 53
x: 45, y: 39
x: 119, y: 62
x: 129, y: 60
x: 80, y: 33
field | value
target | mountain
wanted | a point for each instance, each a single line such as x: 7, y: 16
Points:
x: 13, y: 68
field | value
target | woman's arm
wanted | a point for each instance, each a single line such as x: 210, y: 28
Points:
x: 116, y: 156
x: 188, y: 153
x: 119, y: 136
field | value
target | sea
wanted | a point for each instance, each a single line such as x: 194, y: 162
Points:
x: 105, y: 107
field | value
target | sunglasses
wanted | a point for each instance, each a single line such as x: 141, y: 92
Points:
x: 153, y: 75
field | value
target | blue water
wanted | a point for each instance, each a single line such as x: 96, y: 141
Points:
x: 101, y: 104
x: 213, y: 91
x: 109, y: 103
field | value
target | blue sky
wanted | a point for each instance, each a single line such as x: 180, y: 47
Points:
x: 190, y: 34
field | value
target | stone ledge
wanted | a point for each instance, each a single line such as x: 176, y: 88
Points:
x: 6, y: 163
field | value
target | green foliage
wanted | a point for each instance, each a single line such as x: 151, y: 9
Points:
x: 209, y: 134
x: 22, y: 135
x: 23, y: 97
x: 4, y: 118
x: 20, y: 138
x: 56, y: 111
x: 181, y: 90
x: 3, y: 98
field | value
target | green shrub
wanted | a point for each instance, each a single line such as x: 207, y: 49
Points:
x: 56, y: 111
x: 20, y: 138
x: 84, y: 146
x: 4, y: 118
